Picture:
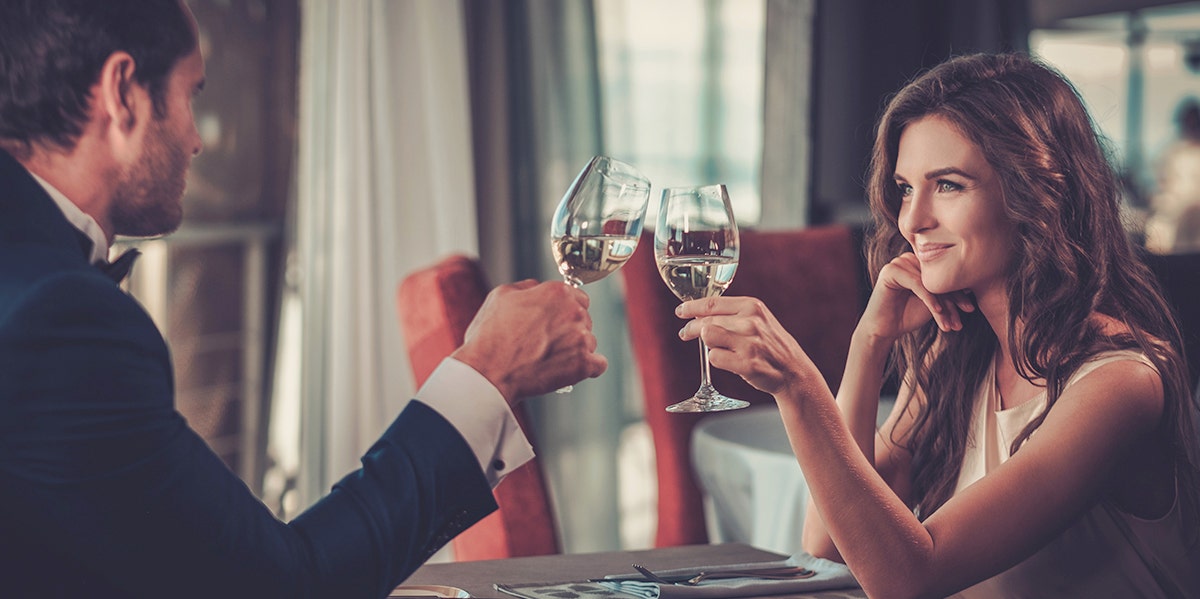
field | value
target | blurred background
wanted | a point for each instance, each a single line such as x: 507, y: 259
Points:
x: 349, y: 142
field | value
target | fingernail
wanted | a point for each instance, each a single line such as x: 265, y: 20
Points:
x: 678, y: 310
x: 681, y: 332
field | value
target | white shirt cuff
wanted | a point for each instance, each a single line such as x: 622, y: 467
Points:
x: 474, y: 406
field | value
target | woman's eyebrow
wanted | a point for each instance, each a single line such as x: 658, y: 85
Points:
x: 949, y: 170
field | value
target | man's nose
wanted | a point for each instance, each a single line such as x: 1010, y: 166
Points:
x: 197, y: 142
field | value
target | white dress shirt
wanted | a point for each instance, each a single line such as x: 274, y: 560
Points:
x: 475, y: 407
x: 80, y: 220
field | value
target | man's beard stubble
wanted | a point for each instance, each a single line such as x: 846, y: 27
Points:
x: 148, y: 197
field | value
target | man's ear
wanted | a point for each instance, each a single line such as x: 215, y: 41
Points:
x: 121, y: 100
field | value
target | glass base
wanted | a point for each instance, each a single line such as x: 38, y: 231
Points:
x: 707, y: 399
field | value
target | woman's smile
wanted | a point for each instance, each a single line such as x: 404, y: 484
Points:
x: 952, y: 209
x: 928, y: 252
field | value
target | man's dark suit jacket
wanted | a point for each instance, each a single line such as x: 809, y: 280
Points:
x: 106, y: 492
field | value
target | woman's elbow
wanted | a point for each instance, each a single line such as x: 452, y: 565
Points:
x: 821, y: 546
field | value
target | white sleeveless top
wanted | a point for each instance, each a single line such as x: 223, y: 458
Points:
x: 1107, y: 552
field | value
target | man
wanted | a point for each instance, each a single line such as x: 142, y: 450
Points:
x: 104, y: 490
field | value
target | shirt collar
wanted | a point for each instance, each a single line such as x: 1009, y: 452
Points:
x: 78, y: 219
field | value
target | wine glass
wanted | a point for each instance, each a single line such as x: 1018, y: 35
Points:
x: 598, y: 222
x: 696, y: 249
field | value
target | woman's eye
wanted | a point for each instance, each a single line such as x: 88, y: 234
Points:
x: 948, y: 186
x: 905, y: 189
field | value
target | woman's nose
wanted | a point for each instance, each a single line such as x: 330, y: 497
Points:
x: 916, y: 214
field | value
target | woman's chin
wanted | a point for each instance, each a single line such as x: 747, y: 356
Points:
x: 939, y: 285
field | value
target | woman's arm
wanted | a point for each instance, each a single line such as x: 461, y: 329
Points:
x: 898, y: 304
x: 1060, y: 472
x: 858, y: 403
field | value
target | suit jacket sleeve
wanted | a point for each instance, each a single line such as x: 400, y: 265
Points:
x: 108, y: 478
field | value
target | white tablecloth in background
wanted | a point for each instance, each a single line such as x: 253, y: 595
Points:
x: 754, y: 490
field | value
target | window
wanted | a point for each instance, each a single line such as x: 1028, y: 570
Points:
x: 211, y: 286
x: 1133, y: 70
x: 681, y: 93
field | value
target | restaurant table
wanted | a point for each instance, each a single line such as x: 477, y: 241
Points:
x: 754, y: 491
x: 478, y: 577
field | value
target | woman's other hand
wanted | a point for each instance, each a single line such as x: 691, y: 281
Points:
x: 900, y: 303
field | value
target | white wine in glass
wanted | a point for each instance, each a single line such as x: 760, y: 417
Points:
x: 598, y: 222
x: 587, y: 259
x: 696, y: 250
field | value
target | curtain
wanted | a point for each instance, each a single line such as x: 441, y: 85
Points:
x: 384, y: 185
x: 787, y: 113
x: 415, y: 117
x: 535, y: 93
x: 540, y: 110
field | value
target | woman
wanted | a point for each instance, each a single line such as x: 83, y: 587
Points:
x: 1043, y: 441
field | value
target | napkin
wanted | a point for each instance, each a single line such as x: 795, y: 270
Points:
x: 829, y: 575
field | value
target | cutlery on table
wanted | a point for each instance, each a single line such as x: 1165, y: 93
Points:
x: 777, y: 573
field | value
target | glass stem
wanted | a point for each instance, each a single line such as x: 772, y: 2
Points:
x: 576, y: 284
x: 704, y: 368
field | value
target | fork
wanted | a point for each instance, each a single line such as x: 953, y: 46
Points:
x: 788, y: 573
x: 651, y: 576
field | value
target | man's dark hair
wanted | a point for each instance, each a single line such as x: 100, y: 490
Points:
x: 51, y: 53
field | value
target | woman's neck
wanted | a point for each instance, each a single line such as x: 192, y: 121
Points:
x: 1014, y: 389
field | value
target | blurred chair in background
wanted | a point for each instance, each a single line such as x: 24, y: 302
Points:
x: 813, y: 280
x: 436, y: 304
x: 1179, y: 276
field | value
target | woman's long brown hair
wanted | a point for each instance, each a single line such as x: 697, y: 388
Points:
x: 1072, y: 259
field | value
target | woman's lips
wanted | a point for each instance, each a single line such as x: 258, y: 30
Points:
x: 931, y: 251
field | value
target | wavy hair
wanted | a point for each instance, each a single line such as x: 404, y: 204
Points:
x: 51, y: 53
x: 1073, y: 259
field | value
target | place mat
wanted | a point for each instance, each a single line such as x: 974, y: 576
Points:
x: 560, y: 590
x: 828, y: 576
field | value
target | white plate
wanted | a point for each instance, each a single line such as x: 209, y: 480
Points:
x: 427, y: 590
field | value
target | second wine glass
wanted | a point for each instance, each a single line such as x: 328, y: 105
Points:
x: 696, y: 250
x: 598, y: 222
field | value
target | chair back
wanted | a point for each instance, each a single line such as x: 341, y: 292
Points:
x: 813, y: 280
x: 1179, y: 277
x: 436, y: 304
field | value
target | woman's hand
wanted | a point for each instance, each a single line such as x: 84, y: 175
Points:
x: 900, y: 303
x: 744, y: 338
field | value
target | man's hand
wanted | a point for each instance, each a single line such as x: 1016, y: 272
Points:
x: 530, y: 338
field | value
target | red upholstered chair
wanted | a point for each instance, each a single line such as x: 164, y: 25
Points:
x: 436, y: 304
x: 814, y: 280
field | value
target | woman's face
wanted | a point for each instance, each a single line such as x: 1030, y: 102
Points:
x: 952, y: 209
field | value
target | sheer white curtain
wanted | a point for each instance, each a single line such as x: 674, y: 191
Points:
x: 384, y: 185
